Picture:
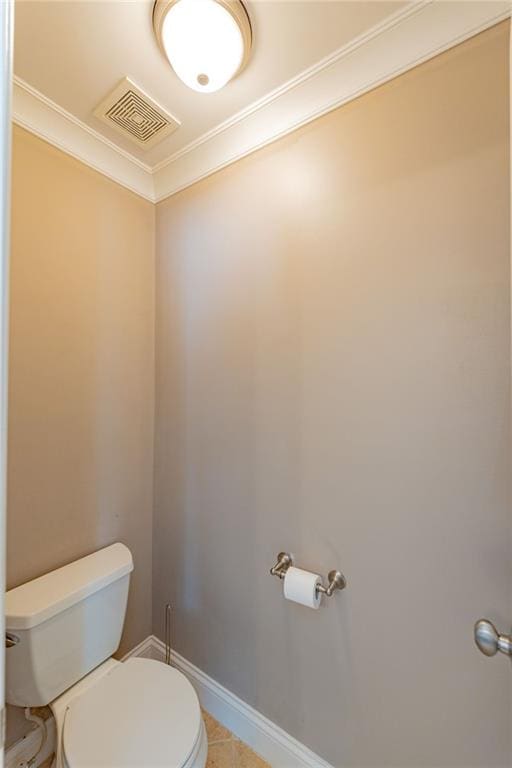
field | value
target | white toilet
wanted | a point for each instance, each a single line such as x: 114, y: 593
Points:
x: 64, y: 628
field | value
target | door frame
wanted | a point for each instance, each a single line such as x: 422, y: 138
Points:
x: 6, y: 56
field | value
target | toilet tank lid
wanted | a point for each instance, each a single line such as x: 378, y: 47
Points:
x: 38, y: 600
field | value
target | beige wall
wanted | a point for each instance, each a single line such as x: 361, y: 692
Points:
x: 81, y: 371
x: 333, y: 355
x: 332, y: 377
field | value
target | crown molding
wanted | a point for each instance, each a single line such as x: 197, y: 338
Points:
x: 416, y: 33
x: 46, y: 119
x: 410, y: 37
x: 302, y: 77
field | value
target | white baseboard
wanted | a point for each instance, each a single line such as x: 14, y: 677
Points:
x: 24, y: 750
x: 263, y: 736
x: 144, y: 650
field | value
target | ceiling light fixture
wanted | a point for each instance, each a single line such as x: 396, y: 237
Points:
x: 207, y: 42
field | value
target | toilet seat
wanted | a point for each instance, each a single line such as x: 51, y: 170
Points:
x: 143, y: 713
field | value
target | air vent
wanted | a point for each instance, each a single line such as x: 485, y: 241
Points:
x: 135, y: 115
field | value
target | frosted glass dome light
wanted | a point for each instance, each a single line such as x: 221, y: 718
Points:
x: 207, y: 42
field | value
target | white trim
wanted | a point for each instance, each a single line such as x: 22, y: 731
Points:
x: 24, y: 750
x: 263, y: 736
x: 411, y: 36
x: 144, y: 650
x: 302, y: 77
x: 18, y: 82
x: 46, y: 119
x: 408, y: 38
x: 6, y: 56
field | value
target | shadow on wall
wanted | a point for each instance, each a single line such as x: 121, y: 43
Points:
x: 81, y: 372
x: 332, y: 378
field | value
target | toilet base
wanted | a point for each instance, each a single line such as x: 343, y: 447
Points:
x: 198, y: 757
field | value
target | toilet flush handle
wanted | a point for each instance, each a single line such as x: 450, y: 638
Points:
x: 11, y: 640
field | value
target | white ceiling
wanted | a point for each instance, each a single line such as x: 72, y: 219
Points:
x: 75, y: 51
x: 309, y: 57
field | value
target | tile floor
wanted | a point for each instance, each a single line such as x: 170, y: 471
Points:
x: 226, y: 751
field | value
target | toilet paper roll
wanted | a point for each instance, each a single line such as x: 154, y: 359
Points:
x: 300, y: 586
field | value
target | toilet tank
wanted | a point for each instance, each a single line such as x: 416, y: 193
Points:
x: 65, y: 624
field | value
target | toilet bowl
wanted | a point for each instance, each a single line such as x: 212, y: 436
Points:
x: 64, y: 628
x: 136, y: 713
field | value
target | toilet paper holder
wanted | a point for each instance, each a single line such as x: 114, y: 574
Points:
x: 336, y: 579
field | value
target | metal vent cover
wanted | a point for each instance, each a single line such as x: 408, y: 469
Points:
x: 135, y: 115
